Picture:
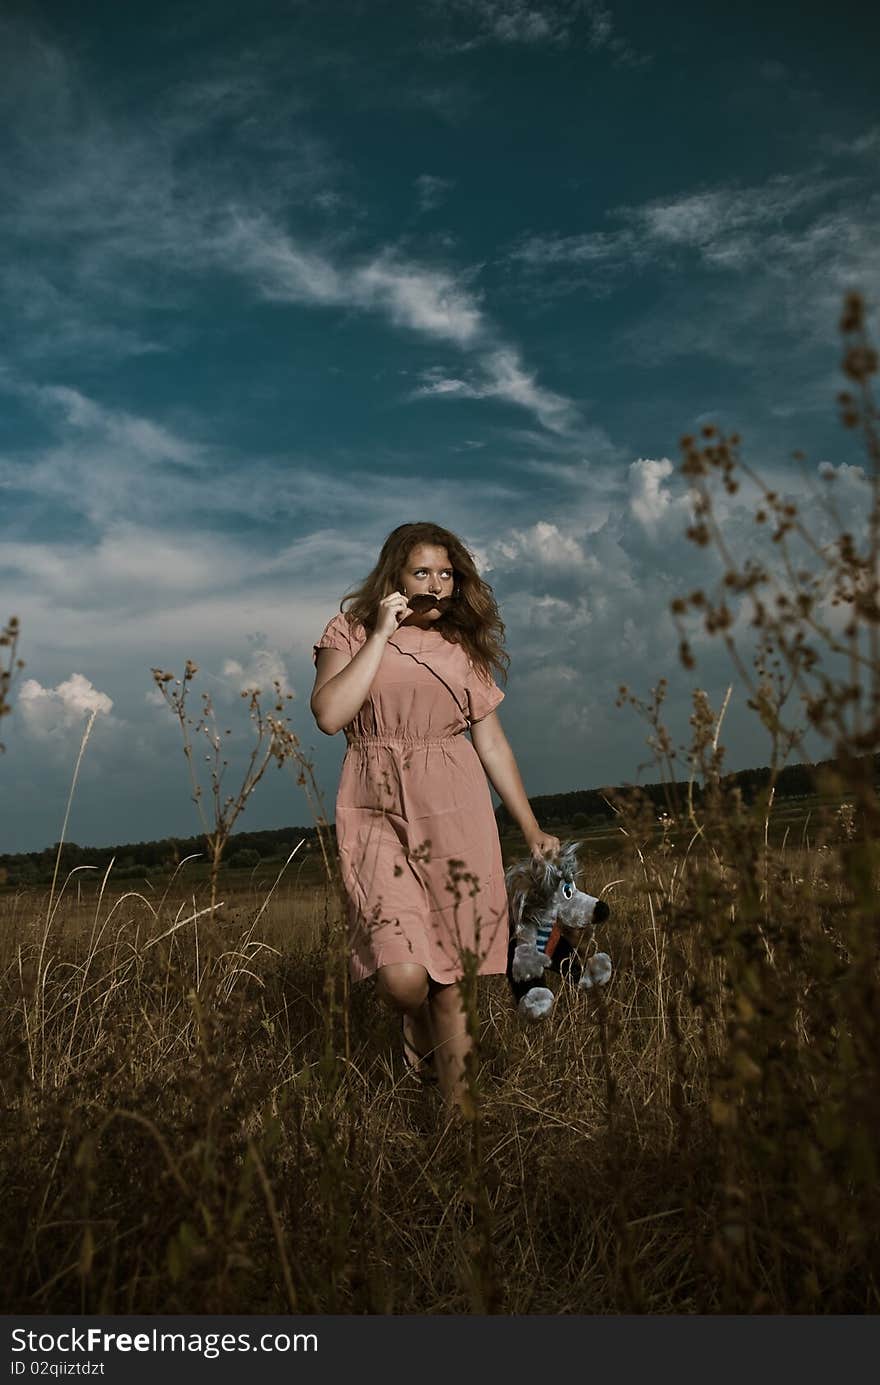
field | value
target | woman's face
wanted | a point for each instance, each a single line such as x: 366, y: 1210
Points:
x: 427, y: 571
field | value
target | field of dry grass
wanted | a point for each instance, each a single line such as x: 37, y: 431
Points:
x: 203, y: 1117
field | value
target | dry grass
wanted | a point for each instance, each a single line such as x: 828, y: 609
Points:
x: 186, y: 1132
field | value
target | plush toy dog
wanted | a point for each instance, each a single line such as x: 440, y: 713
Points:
x: 550, y: 922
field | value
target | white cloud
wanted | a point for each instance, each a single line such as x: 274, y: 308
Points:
x: 428, y: 301
x: 779, y: 256
x: 725, y: 227
x: 55, y: 323
x: 545, y: 543
x: 107, y: 205
x: 512, y: 382
x: 652, y: 503
x: 136, y: 438
x: 421, y: 299
x: 160, y: 502
x: 865, y: 145
x: 106, y: 464
x: 844, y: 473
x: 707, y: 220
x: 431, y: 190
x: 603, y: 249
x: 503, y: 377
x: 549, y: 23
x: 264, y: 668
x: 251, y: 245
x: 437, y: 384
x: 48, y: 712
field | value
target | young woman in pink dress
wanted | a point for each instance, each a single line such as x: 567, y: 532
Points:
x: 418, y: 843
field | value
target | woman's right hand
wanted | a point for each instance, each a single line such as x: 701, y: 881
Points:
x: 390, y: 612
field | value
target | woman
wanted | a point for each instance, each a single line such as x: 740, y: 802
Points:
x: 417, y: 838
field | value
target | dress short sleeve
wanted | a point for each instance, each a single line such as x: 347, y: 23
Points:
x: 336, y: 636
x: 482, y: 697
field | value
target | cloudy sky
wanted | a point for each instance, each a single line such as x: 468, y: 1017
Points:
x: 278, y: 277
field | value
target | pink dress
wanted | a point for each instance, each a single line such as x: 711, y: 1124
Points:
x: 414, y: 810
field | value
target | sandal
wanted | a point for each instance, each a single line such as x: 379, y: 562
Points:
x: 421, y: 1065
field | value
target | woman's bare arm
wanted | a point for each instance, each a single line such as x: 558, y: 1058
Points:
x: 342, y: 685
x: 497, y: 759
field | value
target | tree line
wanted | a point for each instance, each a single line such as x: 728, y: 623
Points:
x: 592, y: 807
x: 137, y: 859
x: 580, y: 808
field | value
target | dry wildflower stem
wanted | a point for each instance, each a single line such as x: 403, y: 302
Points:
x: 786, y: 606
x: 10, y: 665
x: 792, y: 1041
x: 275, y: 740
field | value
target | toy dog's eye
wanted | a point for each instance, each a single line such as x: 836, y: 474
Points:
x: 567, y: 889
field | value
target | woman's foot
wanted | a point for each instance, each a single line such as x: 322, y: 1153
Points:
x: 419, y: 1059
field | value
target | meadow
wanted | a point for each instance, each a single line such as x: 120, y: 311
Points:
x: 202, y: 1115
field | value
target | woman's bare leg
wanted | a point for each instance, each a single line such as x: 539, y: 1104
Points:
x: 405, y: 986
x: 453, y: 1043
x: 435, y: 1022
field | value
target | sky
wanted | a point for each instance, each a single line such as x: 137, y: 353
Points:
x: 277, y: 278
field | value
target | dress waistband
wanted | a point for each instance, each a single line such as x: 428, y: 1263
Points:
x: 403, y: 740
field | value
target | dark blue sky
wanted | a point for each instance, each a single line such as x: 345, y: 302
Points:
x: 277, y: 278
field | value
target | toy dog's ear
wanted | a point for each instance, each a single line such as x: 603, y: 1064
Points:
x: 544, y: 875
x: 520, y: 882
x: 523, y: 881
x: 567, y: 861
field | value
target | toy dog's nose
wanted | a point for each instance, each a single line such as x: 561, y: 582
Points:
x: 601, y: 911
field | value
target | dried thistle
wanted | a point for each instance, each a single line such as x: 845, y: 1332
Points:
x: 275, y: 740
x: 788, y: 601
x: 10, y: 668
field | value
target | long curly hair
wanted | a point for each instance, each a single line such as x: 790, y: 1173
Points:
x: 471, y: 619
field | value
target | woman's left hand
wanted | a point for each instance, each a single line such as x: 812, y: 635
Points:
x: 542, y: 844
